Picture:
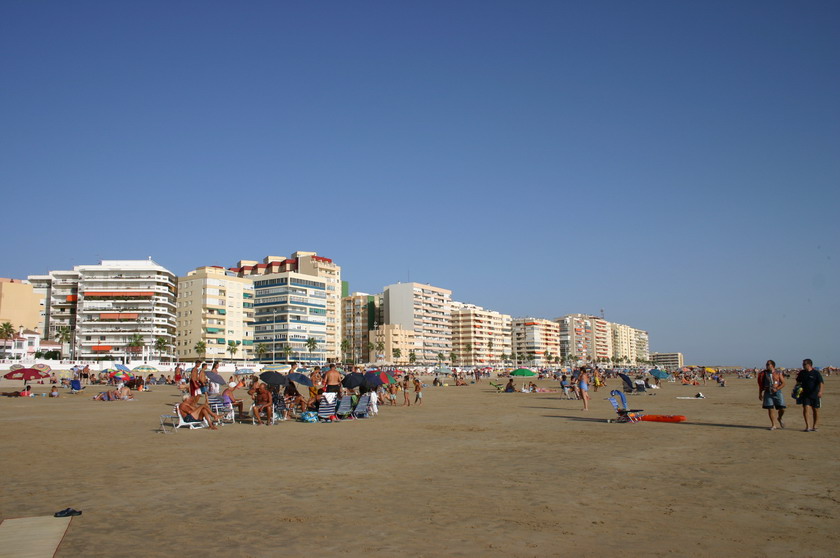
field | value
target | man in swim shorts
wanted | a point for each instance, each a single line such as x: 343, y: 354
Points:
x: 770, y: 384
x: 812, y: 387
x: 332, y: 379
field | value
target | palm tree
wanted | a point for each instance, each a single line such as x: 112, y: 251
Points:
x: 397, y: 352
x: 412, y: 357
x: 440, y: 357
x: 136, y: 343
x: 7, y: 331
x: 201, y: 349
x: 549, y: 357
x: 63, y: 335
x: 380, y: 347
x: 370, y: 347
x: 503, y: 356
x: 490, y: 350
x: 161, y: 345
x: 287, y: 352
x: 261, y: 350
x: 468, y: 347
x: 311, y: 345
x: 232, y: 348
x: 453, y: 357
x: 345, y: 347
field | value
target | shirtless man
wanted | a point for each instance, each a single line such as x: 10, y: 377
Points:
x: 332, y: 380
x: 406, y: 385
x: 262, y: 402
x: 195, y: 384
x: 193, y: 412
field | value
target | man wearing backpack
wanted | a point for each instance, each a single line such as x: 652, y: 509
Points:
x: 770, y: 384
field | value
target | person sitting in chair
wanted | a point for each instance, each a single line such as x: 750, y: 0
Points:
x: 263, y: 402
x: 510, y: 387
x: 193, y: 412
x: 230, y: 399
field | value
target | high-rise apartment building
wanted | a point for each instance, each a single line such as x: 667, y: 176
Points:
x: 359, y: 316
x: 58, y: 296
x: 123, y: 308
x: 425, y: 310
x: 576, y: 337
x: 479, y: 336
x: 290, y: 317
x: 312, y: 265
x: 536, y: 340
x: 215, y: 307
x: 630, y: 345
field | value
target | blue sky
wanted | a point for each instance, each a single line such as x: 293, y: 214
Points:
x: 674, y: 163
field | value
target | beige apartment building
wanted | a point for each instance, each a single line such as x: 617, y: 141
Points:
x: 58, y: 294
x: 479, y: 336
x: 668, y: 361
x: 576, y: 338
x: 359, y: 316
x: 313, y: 265
x: 19, y: 304
x: 215, y: 307
x: 391, y: 345
x: 535, y: 340
x: 425, y: 310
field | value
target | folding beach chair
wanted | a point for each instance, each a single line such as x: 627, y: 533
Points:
x: 345, y: 407
x: 624, y: 414
x: 627, y: 384
x: 361, y: 410
x: 224, y: 410
x: 499, y: 387
x: 181, y: 422
x: 326, y: 407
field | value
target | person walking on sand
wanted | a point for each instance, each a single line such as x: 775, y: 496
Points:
x: 812, y: 388
x: 583, y: 385
x: 418, y: 392
x: 770, y: 384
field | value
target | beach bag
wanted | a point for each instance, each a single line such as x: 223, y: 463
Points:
x: 797, y: 391
x: 309, y: 416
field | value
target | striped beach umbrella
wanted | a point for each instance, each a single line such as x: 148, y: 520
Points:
x: 276, y: 368
x: 145, y: 370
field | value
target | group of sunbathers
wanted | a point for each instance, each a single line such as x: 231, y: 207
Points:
x: 121, y: 393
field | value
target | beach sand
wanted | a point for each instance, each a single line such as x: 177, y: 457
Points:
x: 470, y: 473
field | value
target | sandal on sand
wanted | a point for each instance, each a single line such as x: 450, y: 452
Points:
x: 68, y: 512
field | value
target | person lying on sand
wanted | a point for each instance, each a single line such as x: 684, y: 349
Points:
x: 110, y: 395
x: 193, y: 412
x: 25, y: 392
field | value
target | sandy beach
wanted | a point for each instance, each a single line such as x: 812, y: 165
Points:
x: 469, y: 473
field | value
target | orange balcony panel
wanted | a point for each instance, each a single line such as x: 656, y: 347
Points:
x: 120, y: 293
x: 101, y: 348
x: 72, y: 298
x: 118, y: 316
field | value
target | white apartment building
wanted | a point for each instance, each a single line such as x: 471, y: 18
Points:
x: 359, y: 316
x: 576, y: 337
x: 630, y: 345
x: 535, y: 340
x: 479, y: 336
x: 123, y: 307
x: 58, y: 293
x: 310, y: 264
x: 290, y: 313
x: 215, y: 307
x: 425, y: 310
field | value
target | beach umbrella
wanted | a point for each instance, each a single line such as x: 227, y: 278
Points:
x: 26, y: 374
x: 277, y: 368
x: 353, y: 380
x: 656, y: 373
x: 145, y: 370
x: 62, y: 373
x: 387, y: 378
x: 627, y: 381
x: 523, y: 372
x: 244, y: 372
x: 372, y: 379
x: 443, y: 370
x: 300, y: 379
x: 121, y: 375
x: 274, y: 378
x: 42, y: 367
x: 215, y: 378
x: 15, y: 367
x: 122, y: 367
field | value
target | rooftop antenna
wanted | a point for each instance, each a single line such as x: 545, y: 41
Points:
x: 602, y: 313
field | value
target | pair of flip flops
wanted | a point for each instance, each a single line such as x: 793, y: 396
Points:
x: 67, y: 512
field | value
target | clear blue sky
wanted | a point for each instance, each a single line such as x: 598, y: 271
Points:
x: 674, y: 163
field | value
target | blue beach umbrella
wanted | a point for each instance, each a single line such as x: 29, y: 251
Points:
x: 656, y: 373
